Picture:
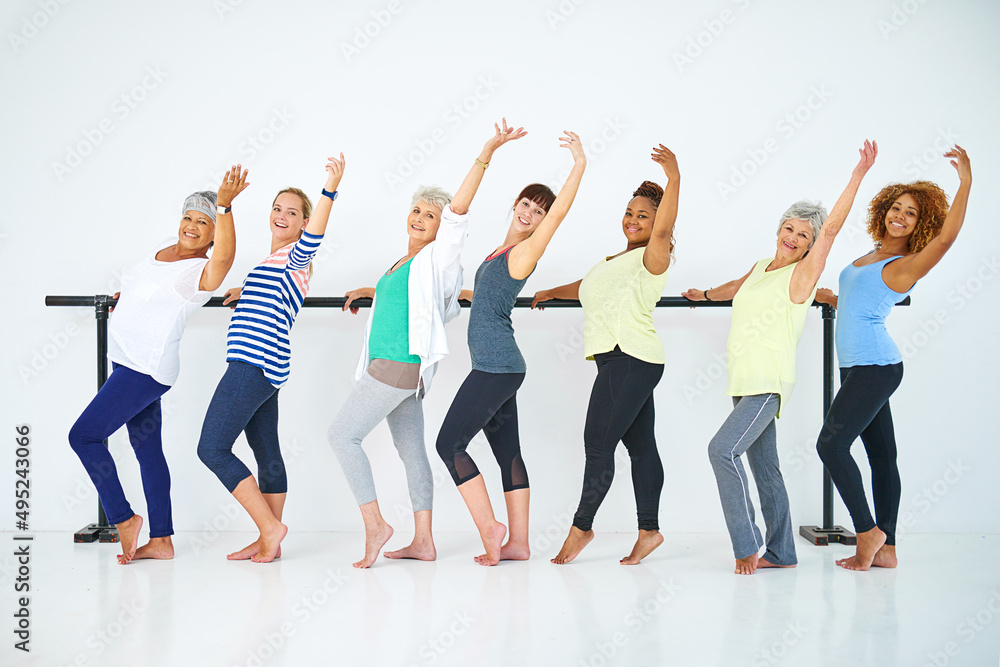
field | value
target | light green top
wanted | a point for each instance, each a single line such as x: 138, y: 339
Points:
x: 390, y: 333
x: 765, y: 333
x: 618, y: 296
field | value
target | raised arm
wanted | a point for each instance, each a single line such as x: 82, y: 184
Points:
x: 463, y: 198
x: 656, y: 256
x: 570, y: 291
x: 807, y: 273
x: 321, y: 214
x: 523, y: 257
x: 723, y: 292
x: 224, y: 248
x: 901, y: 274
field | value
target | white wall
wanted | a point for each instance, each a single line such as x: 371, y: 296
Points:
x: 155, y: 103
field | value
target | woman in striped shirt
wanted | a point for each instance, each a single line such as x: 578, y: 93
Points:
x: 258, y: 354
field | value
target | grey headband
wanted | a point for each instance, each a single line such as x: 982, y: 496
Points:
x: 203, y: 202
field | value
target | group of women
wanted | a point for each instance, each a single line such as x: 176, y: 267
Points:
x: 912, y: 226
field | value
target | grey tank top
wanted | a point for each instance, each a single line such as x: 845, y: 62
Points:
x: 491, y: 334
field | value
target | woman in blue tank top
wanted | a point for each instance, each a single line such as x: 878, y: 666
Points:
x: 486, y: 400
x: 913, y: 228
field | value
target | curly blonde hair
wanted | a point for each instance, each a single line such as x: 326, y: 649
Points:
x: 932, y: 209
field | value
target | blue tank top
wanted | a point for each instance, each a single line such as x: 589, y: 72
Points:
x: 491, y: 333
x: 862, y: 306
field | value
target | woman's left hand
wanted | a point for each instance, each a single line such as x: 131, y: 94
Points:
x: 334, y: 172
x: 868, y: 154
x: 502, y: 136
x: 571, y: 140
x: 233, y: 183
x: 666, y: 159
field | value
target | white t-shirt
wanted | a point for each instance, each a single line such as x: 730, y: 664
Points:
x: 144, y: 332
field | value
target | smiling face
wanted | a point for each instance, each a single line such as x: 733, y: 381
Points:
x: 423, y: 221
x: 794, y: 238
x: 196, y: 232
x: 527, y: 215
x: 638, y: 221
x: 902, y: 217
x: 287, y: 221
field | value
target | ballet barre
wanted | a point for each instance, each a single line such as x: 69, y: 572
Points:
x: 817, y: 535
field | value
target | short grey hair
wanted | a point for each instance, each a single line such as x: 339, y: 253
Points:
x: 812, y: 212
x: 432, y: 195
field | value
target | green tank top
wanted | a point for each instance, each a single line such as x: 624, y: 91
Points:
x: 390, y: 333
x: 765, y: 332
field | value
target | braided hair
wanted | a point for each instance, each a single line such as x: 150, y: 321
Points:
x: 654, y: 193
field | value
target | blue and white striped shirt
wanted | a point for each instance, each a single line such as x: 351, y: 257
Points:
x: 271, y: 297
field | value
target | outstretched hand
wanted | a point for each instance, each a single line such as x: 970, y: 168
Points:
x: 868, y: 154
x: 571, y: 140
x: 234, y: 182
x: 334, y: 172
x: 960, y: 161
x: 664, y: 157
x: 502, y: 136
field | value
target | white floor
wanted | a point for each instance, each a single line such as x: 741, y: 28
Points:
x: 682, y: 607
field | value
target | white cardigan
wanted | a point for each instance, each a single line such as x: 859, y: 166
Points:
x: 435, y: 282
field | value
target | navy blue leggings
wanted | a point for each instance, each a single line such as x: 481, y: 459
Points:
x: 621, y: 410
x: 485, y: 402
x: 861, y: 408
x: 132, y: 399
x: 245, y: 401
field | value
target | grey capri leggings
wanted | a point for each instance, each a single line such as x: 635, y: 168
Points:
x: 368, y: 404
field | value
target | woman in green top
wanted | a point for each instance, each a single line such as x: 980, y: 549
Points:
x: 618, y: 297
x: 769, y: 307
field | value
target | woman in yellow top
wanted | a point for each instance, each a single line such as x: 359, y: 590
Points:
x: 618, y: 297
x: 769, y: 310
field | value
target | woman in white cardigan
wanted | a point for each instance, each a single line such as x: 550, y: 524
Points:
x: 404, y: 341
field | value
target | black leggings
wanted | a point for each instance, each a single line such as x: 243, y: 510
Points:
x: 621, y: 410
x: 861, y: 407
x: 485, y: 402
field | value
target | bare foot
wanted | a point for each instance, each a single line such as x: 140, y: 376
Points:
x: 423, y: 549
x: 270, y: 542
x: 644, y: 545
x: 746, y: 565
x: 492, y: 541
x: 885, y: 557
x: 160, y: 548
x: 763, y: 562
x: 251, y: 550
x: 574, y: 544
x: 515, y: 551
x: 374, y: 541
x: 128, y: 535
x: 869, y: 542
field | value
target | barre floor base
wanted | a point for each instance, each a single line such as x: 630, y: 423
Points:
x: 683, y: 606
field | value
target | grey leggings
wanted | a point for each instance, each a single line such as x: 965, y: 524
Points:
x: 368, y: 404
x: 750, y: 428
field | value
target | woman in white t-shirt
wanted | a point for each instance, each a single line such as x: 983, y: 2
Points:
x: 158, y: 295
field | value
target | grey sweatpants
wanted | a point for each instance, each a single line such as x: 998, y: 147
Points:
x: 368, y: 404
x: 750, y: 428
